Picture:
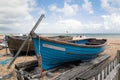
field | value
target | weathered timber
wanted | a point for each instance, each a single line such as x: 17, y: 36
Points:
x: 93, y: 72
x: 26, y: 65
x: 75, y: 73
x: 107, y: 70
x: 28, y: 48
x: 8, y: 76
x: 71, y: 74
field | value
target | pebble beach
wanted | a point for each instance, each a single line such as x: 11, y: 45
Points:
x: 111, y: 49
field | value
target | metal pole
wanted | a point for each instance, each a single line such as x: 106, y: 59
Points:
x: 18, y: 52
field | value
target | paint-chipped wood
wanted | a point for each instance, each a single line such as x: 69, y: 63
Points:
x: 73, y: 73
x: 54, y: 47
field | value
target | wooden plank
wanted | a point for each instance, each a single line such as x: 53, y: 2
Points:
x: 71, y: 74
x: 26, y: 65
x: 94, y: 71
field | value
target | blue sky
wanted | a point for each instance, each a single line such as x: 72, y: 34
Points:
x: 74, y: 16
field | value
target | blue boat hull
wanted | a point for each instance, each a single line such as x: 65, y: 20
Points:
x: 54, y: 54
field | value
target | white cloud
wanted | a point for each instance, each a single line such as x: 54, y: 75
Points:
x: 53, y: 7
x: 111, y: 6
x: 109, y: 24
x: 87, y: 6
x: 61, y: 26
x: 92, y: 26
x: 71, y: 23
x: 112, y: 22
x: 72, y: 9
x: 67, y: 10
x: 15, y: 15
x: 68, y: 0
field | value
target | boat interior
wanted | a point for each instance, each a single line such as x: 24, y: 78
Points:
x: 87, y: 41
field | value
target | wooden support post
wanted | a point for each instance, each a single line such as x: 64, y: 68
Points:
x: 39, y: 65
x: 42, y: 72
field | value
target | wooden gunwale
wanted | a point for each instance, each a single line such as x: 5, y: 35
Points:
x: 71, y: 44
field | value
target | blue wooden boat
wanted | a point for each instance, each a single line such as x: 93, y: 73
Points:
x: 56, y: 50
